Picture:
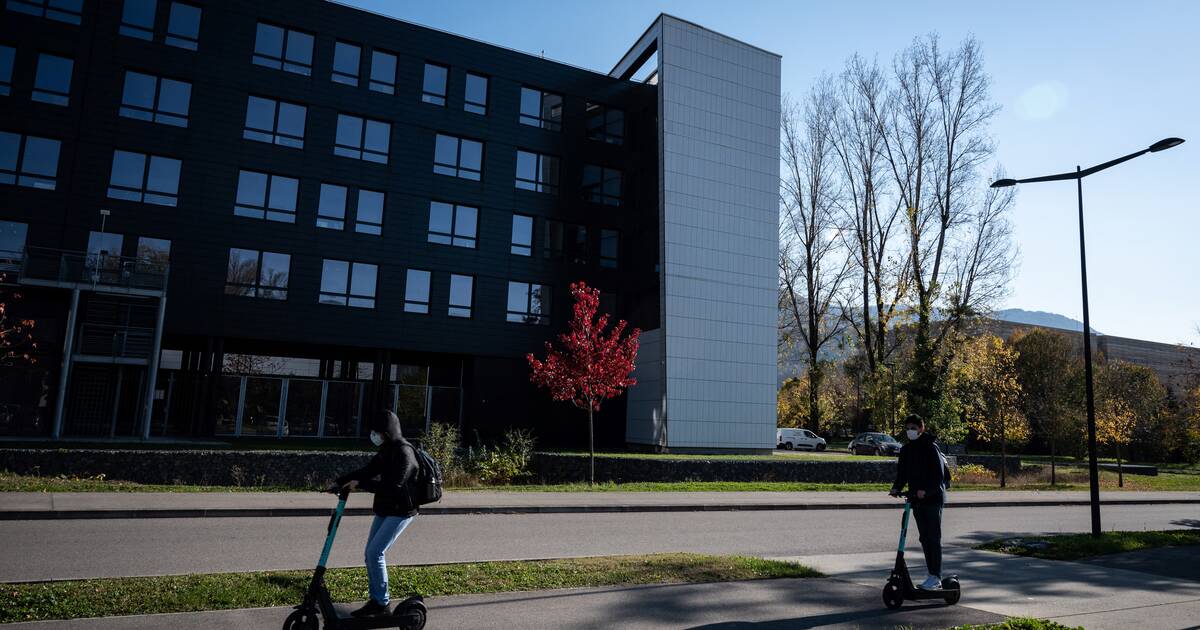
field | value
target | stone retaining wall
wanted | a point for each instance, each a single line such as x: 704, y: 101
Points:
x: 315, y: 469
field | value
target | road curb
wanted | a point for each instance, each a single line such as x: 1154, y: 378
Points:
x: 36, y: 515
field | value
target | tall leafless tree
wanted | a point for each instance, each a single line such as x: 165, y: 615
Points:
x: 811, y: 267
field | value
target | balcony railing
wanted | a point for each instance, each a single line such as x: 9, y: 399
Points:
x: 122, y: 342
x: 72, y: 268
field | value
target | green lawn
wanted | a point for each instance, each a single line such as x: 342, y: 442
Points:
x: 218, y: 591
x: 1019, y: 623
x: 1076, y: 546
x: 830, y: 455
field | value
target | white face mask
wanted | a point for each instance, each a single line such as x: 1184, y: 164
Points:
x: 376, y: 439
x: 913, y: 434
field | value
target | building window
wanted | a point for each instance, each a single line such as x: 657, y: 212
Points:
x: 537, y: 172
x: 144, y: 178
x: 253, y: 273
x: 348, y: 284
x: 137, y: 19
x: 346, y: 61
x: 275, y: 122
x: 331, y: 211
x: 383, y: 72
x: 416, y: 291
x: 28, y: 160
x: 369, y: 217
x: 462, y: 291
x: 566, y: 241
x: 522, y: 235
x: 155, y: 99
x: 451, y: 224
x: 602, y: 185
x: 154, y: 252
x: 528, y: 303
x: 362, y: 139
x: 476, y: 98
x: 8, y: 55
x: 12, y: 242
x: 458, y: 157
x: 433, y: 88
x: 609, y: 248
x: 283, y: 49
x: 265, y: 196
x: 69, y: 11
x: 53, y: 82
x: 183, y: 26
x: 605, y: 124
x: 541, y: 109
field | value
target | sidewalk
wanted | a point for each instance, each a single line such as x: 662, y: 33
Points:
x: 1095, y: 596
x: 756, y: 605
x: 994, y: 586
x: 32, y: 505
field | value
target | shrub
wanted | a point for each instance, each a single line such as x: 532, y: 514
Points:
x: 973, y: 473
x: 508, y: 461
x: 443, y: 443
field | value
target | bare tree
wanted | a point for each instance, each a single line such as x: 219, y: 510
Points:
x: 811, y: 268
x: 935, y: 140
x: 872, y: 214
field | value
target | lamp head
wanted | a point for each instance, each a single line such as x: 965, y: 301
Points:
x: 1165, y: 143
x: 1004, y: 183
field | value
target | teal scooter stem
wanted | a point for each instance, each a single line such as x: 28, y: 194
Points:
x: 900, y: 587
x: 318, y: 610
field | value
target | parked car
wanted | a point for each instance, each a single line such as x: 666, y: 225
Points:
x: 798, y: 438
x: 874, y: 444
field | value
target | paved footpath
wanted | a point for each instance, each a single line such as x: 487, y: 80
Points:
x: 35, y: 505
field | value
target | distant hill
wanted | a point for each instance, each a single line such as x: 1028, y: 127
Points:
x: 1040, y: 318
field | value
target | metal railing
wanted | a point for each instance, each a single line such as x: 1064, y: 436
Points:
x: 98, y: 270
x: 125, y: 342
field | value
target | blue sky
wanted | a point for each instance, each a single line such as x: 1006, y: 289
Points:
x: 1079, y: 83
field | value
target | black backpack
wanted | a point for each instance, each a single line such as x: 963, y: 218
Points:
x: 426, y: 485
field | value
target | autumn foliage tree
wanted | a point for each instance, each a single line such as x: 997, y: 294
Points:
x: 1050, y: 375
x: 591, y: 364
x: 17, y: 346
x: 984, y: 378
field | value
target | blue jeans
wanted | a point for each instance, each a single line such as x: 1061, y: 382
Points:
x: 384, y: 531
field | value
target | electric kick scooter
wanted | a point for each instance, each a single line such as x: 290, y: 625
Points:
x: 900, y: 587
x: 319, y: 611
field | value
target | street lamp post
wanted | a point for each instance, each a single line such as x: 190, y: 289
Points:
x: 1078, y: 175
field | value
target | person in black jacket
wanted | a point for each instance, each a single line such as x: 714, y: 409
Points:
x: 387, y: 476
x: 921, y: 468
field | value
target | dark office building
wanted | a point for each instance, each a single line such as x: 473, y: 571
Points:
x: 271, y: 218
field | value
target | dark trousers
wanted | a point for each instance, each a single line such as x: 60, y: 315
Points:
x: 929, y: 524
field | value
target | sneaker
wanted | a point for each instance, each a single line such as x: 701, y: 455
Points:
x: 931, y: 583
x: 372, y: 609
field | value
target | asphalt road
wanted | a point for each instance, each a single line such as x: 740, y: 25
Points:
x: 64, y: 549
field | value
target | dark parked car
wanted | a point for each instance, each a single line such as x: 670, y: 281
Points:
x: 874, y: 444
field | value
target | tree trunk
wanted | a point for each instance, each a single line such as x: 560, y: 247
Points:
x: 591, y: 449
x: 814, y: 409
x: 1120, y: 470
x: 1003, y: 454
x: 1052, y: 471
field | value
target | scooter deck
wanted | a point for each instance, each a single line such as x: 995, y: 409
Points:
x: 344, y: 619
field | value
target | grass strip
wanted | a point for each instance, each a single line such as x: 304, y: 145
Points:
x: 1019, y: 623
x: 218, y: 591
x: 1077, y: 546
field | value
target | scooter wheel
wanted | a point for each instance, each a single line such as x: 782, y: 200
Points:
x: 893, y: 597
x: 301, y: 620
x: 414, y: 614
x: 953, y: 590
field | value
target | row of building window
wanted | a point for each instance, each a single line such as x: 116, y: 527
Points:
x: 291, y: 50
x: 253, y: 273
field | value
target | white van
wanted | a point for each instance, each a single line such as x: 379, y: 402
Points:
x: 787, y: 438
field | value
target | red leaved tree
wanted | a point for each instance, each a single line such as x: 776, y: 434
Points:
x: 591, y: 365
x: 16, y: 335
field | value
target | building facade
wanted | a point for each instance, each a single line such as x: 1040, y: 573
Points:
x: 274, y: 218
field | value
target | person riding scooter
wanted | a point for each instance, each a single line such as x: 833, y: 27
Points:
x: 921, y: 467
x: 387, y: 476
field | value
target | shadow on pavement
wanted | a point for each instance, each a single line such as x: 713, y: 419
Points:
x: 883, y: 618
